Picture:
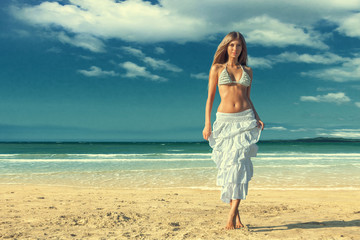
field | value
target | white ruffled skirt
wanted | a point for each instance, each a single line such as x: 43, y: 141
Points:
x: 233, y: 141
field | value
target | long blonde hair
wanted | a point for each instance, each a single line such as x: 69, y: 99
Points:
x: 221, y: 55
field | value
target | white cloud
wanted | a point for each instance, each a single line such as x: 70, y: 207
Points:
x: 133, y: 51
x: 322, y: 89
x: 159, y: 50
x: 152, y: 62
x: 276, y: 128
x: 97, y: 72
x: 299, y: 130
x: 161, y: 64
x: 269, y: 31
x: 338, y: 98
x: 357, y: 87
x: 258, y: 62
x: 350, y: 25
x: 21, y: 33
x: 286, y: 57
x: 348, y: 71
x: 85, y: 57
x: 262, y: 22
x: 54, y: 50
x: 299, y: 12
x: 201, y: 76
x: 133, y: 71
x: 343, y: 133
x: 85, y: 41
x: 132, y: 20
x: 326, y: 58
x: 357, y: 104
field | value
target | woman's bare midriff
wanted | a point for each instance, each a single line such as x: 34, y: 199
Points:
x: 233, y: 98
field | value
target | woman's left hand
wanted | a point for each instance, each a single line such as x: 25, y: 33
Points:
x: 260, y: 124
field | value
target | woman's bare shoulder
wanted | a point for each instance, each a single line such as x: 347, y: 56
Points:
x: 217, y: 67
x: 248, y: 70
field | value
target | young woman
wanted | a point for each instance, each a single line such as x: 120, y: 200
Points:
x: 237, y: 127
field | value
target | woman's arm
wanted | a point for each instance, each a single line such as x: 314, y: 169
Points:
x: 213, y: 78
x: 259, y: 122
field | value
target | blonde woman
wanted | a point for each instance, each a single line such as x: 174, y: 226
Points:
x: 237, y: 127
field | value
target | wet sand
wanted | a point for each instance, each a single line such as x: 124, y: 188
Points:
x: 49, y: 212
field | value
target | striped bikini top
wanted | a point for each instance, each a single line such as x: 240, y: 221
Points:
x: 225, y: 79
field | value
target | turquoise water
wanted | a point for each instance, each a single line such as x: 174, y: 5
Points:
x: 279, y: 165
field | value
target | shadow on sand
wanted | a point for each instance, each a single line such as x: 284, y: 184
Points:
x: 307, y: 225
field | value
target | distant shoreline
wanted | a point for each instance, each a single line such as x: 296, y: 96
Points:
x: 317, y: 139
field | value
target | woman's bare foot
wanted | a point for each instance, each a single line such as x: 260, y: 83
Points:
x: 231, y: 221
x: 238, y: 223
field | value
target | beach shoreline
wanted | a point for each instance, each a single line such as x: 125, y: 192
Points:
x: 49, y: 212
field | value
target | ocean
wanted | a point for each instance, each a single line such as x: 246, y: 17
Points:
x: 279, y: 165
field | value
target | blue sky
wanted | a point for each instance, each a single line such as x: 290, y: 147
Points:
x: 89, y: 70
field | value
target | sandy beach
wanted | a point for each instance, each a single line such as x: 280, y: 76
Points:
x: 48, y: 212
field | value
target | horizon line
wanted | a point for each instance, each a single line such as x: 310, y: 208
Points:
x: 315, y: 139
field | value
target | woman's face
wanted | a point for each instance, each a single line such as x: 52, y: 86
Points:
x: 234, y: 48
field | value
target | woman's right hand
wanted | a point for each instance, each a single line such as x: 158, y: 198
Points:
x: 260, y: 124
x: 206, y: 132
